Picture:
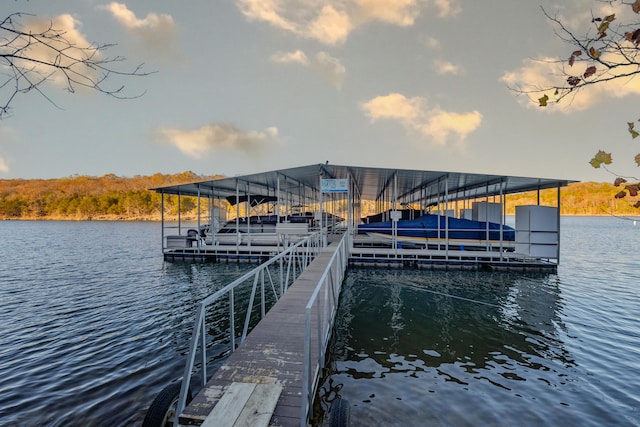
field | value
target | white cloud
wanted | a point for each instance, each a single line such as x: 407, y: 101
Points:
x: 442, y: 125
x: 330, y: 26
x: 393, y: 106
x: 398, y: 12
x: 439, y: 125
x: 331, y: 21
x: 446, y: 67
x: 324, y: 64
x: 218, y: 137
x: 267, y: 11
x: 156, y: 31
x: 4, y: 166
x: 296, y: 57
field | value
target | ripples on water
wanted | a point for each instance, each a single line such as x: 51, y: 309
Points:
x: 93, y: 324
x: 452, y: 348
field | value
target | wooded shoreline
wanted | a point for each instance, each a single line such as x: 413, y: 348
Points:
x: 113, y: 198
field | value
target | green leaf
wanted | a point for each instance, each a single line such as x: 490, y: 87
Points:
x: 634, y: 134
x: 543, y: 100
x: 600, y: 158
x: 637, y: 159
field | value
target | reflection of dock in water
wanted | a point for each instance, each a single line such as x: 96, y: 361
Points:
x: 399, y: 331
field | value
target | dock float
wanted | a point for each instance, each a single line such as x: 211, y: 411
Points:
x: 269, y: 365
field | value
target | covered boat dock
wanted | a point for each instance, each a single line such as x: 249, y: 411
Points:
x: 323, y: 218
x: 254, y: 217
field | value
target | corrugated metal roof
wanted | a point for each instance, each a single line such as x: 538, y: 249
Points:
x: 370, y: 183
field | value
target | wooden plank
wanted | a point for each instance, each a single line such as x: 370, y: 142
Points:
x: 231, y: 404
x: 258, y: 411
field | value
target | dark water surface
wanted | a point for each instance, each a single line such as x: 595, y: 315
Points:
x: 93, y: 323
x: 440, y: 348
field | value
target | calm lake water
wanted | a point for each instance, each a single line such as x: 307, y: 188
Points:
x: 93, y: 324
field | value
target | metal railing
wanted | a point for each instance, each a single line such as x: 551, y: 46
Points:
x: 297, y: 257
x: 324, y: 308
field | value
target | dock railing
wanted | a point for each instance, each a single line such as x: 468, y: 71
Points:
x: 323, y: 303
x: 292, y: 262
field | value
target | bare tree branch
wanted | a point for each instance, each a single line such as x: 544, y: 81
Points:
x: 32, y: 56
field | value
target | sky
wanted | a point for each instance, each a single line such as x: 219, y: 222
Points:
x: 245, y: 86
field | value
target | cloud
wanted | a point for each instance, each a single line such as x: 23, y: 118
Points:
x: 324, y: 64
x: 72, y: 42
x: 534, y: 76
x: 330, y: 26
x: 442, y: 125
x: 439, y: 125
x: 295, y: 57
x: 156, y: 31
x: 393, y: 106
x: 267, y: 11
x: 217, y: 137
x: 446, y: 67
x: 398, y: 12
x: 331, y: 21
x: 4, y: 166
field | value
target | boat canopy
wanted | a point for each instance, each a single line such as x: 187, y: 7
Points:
x: 366, y: 183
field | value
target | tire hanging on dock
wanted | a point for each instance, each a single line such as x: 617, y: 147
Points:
x: 162, y: 411
x: 340, y: 413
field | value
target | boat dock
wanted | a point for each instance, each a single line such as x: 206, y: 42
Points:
x: 271, y: 377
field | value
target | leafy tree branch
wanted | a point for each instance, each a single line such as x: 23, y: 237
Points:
x: 608, y: 51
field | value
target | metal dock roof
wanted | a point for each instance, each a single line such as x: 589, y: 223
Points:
x: 370, y: 183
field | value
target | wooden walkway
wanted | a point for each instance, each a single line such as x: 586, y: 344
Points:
x: 272, y: 353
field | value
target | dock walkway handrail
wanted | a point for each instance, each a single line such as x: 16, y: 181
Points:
x: 297, y: 258
x: 330, y: 284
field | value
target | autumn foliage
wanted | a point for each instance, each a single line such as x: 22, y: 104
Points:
x: 83, y: 197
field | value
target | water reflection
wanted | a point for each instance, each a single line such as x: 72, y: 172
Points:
x: 406, y: 343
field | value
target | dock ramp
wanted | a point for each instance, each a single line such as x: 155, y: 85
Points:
x: 275, y: 369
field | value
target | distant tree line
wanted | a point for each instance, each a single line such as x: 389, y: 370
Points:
x: 583, y: 198
x: 119, y: 198
x: 84, y: 197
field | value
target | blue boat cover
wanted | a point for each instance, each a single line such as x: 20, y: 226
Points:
x: 426, y: 227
